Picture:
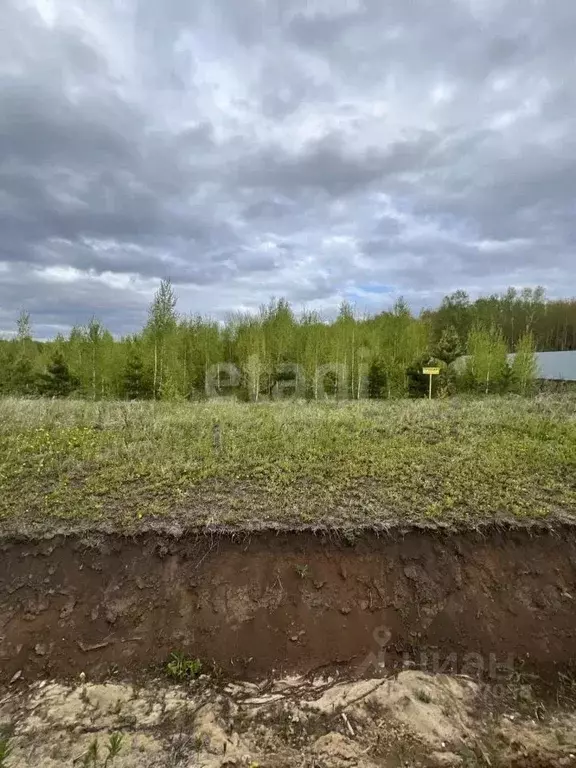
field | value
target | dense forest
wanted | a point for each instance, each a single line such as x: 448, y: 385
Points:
x: 278, y: 353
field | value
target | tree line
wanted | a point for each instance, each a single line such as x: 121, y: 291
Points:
x: 552, y: 323
x: 277, y: 353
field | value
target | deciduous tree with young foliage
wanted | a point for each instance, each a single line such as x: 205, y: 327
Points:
x: 278, y: 352
x: 487, y: 364
x: 524, y: 367
x: 162, y: 324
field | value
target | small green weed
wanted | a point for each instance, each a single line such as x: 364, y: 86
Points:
x: 301, y: 570
x: 92, y: 757
x: 180, y: 667
x: 422, y: 696
x: 5, y: 751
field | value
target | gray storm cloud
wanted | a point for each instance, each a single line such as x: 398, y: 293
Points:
x: 312, y: 150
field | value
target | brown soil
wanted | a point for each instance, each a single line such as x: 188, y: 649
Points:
x: 274, y: 603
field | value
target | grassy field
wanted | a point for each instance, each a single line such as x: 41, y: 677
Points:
x: 68, y: 463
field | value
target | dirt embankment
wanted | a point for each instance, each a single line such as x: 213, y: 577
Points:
x: 413, y: 719
x: 275, y: 603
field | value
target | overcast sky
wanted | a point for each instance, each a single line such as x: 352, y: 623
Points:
x: 313, y: 149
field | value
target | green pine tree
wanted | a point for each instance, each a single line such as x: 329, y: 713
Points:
x: 57, y: 381
x: 21, y: 376
x: 377, y: 380
x: 449, y: 347
x: 134, y: 385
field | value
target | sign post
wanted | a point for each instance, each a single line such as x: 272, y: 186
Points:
x: 430, y: 372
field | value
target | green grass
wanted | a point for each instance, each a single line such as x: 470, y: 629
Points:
x: 352, y: 464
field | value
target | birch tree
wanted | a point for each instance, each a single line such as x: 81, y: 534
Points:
x: 162, y: 319
x: 487, y: 363
x: 524, y: 366
x: 94, y: 335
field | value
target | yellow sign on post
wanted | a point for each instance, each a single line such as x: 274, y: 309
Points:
x: 430, y: 372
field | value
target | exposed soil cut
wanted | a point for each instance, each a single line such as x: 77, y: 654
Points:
x: 413, y: 719
x: 269, y: 603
